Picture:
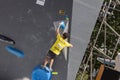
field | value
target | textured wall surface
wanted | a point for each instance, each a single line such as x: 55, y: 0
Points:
x: 31, y: 26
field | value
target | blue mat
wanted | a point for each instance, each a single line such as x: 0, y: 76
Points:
x: 41, y: 74
x: 15, y: 51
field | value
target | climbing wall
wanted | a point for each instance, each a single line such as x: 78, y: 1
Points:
x: 84, y: 16
x: 30, y: 24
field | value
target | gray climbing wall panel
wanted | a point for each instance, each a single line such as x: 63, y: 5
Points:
x: 31, y: 26
x: 84, y: 16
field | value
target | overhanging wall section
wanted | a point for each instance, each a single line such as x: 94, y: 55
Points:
x: 84, y: 16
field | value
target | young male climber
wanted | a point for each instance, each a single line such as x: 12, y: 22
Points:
x: 56, y: 48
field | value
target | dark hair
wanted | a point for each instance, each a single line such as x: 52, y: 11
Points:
x: 65, y: 35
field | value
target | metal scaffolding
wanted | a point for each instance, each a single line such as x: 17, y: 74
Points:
x: 107, y: 10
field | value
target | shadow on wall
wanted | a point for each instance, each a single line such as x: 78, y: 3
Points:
x: 5, y: 77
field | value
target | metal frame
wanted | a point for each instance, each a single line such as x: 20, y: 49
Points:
x: 104, y: 24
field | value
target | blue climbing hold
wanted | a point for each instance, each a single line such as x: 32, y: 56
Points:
x: 62, y: 25
x: 41, y: 74
x: 15, y: 51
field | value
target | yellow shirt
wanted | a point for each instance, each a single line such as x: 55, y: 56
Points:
x: 59, y: 45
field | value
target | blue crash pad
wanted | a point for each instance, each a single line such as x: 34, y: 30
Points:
x: 15, y: 51
x: 41, y: 74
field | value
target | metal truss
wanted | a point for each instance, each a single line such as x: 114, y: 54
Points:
x: 107, y: 10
